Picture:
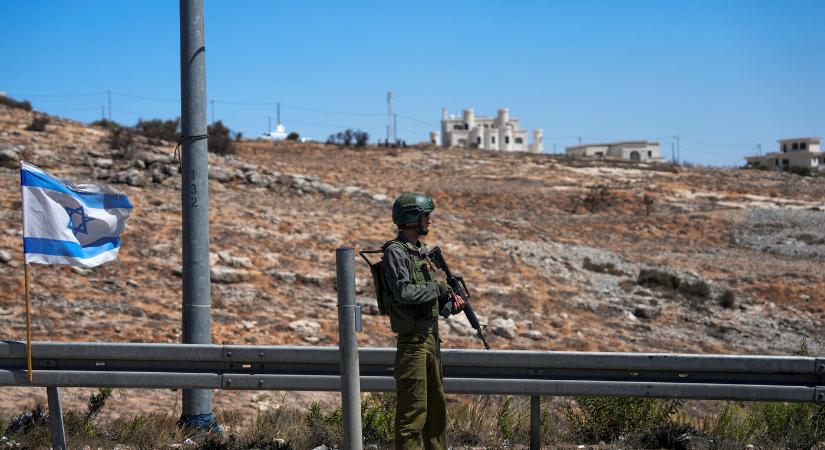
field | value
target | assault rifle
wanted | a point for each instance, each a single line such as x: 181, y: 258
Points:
x: 460, y: 288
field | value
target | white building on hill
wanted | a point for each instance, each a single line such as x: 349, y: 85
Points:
x: 642, y: 151
x: 489, y: 133
x: 794, y: 152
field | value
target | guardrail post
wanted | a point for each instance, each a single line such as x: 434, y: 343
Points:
x: 535, y: 422
x: 348, y: 315
x: 56, y: 419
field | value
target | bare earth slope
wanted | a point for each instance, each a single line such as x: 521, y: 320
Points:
x: 552, y: 248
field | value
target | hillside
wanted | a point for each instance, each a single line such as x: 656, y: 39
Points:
x: 551, y: 248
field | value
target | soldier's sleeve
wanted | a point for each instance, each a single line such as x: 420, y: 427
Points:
x: 395, y: 265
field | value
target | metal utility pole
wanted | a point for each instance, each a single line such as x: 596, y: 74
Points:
x: 395, y: 127
x: 102, y: 112
x: 759, y: 149
x: 269, y: 124
x: 672, y: 153
x: 109, y: 96
x: 390, y: 130
x: 212, y: 104
x: 278, y: 105
x: 197, y: 300
x: 580, y: 140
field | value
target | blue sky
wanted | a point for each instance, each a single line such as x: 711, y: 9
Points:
x: 725, y: 76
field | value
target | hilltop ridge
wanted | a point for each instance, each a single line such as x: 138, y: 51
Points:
x: 552, y: 248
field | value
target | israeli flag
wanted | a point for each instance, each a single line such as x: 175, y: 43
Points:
x: 67, y: 223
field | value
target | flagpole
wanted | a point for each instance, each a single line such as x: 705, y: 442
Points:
x: 28, y: 322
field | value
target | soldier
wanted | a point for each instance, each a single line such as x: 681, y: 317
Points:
x: 418, y: 295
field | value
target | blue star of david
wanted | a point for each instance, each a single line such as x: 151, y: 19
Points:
x: 80, y: 227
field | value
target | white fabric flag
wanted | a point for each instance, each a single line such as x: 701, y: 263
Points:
x: 67, y: 223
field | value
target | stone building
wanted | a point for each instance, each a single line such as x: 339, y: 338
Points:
x: 793, y: 152
x: 489, y: 133
x: 642, y: 151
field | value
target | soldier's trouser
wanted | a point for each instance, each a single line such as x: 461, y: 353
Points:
x: 421, y: 411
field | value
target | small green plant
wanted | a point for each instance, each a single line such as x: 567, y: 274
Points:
x: 38, y: 123
x: 378, y: 418
x: 609, y: 418
x: 507, y: 423
x: 293, y: 136
x: 324, y: 428
x: 727, y: 299
x: 647, y: 200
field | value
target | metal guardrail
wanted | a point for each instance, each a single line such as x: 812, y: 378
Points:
x: 714, y: 377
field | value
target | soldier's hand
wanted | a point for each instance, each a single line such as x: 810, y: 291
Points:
x: 458, y: 302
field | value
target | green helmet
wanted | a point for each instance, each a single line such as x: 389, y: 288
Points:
x: 409, y: 207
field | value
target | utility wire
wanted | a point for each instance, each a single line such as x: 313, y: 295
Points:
x: 84, y: 94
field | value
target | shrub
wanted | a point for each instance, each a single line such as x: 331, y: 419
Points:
x: 507, y: 421
x: 648, y: 202
x: 800, y: 170
x: 166, y: 130
x: 106, y: 123
x: 658, y: 279
x: 121, y: 138
x: 727, y: 299
x: 609, y: 418
x: 697, y: 290
x: 361, y: 138
x: 347, y: 137
x: 378, y: 418
x: 756, y: 165
x: 12, y: 103
x: 219, y: 139
x: 324, y: 429
x: 38, y: 123
x: 293, y: 136
x: 599, y: 198
x: 607, y: 267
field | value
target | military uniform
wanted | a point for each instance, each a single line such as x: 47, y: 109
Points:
x: 421, y: 410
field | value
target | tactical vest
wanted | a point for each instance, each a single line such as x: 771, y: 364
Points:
x: 403, y: 317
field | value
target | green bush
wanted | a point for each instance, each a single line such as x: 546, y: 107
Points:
x: 609, y: 418
x: 324, y: 428
x: 756, y: 165
x: 378, y: 418
x: 727, y: 299
x: 12, y: 103
x: 166, y: 130
x: 653, y: 278
x: 800, y: 170
x: 38, y: 123
x: 348, y: 137
x: 293, y: 136
x: 122, y: 139
x: 696, y: 290
x: 220, y: 141
x: 106, y: 123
